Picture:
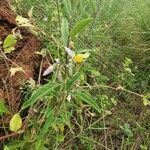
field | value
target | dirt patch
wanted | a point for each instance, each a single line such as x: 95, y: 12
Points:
x: 24, y: 56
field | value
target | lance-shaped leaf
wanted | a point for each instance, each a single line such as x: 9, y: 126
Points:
x: 64, y: 31
x: 45, y: 90
x: 85, y: 97
x: 72, y: 81
x: 79, y: 27
x: 67, y: 6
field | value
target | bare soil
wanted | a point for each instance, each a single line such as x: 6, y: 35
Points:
x: 24, y: 56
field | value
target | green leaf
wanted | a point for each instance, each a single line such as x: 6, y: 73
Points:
x: 3, y: 108
x: 15, y: 123
x: 6, y: 147
x: 45, y: 90
x: 146, y: 100
x: 9, y: 50
x: 16, y: 144
x: 144, y: 147
x: 49, y: 120
x: 85, y: 97
x: 67, y: 5
x: 75, y: 4
x: 45, y: 128
x: 127, y: 130
x: 60, y: 138
x: 79, y: 27
x: 64, y: 32
x: 9, y: 43
x: 72, y: 81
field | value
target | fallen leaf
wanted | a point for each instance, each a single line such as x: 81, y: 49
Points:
x: 9, y: 44
x: 14, y: 70
x: 30, y: 12
x: 23, y: 22
x: 15, y: 122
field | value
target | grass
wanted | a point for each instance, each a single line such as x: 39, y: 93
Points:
x: 99, y: 105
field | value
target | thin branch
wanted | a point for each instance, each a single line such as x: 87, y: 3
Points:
x: 120, y: 88
x: 11, y: 135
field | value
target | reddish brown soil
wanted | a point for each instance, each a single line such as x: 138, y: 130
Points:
x: 24, y: 56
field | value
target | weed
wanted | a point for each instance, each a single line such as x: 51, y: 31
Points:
x: 94, y: 97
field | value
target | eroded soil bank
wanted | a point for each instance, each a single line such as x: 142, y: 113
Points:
x: 23, y: 56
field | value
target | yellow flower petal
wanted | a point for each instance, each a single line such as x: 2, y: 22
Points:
x: 78, y: 58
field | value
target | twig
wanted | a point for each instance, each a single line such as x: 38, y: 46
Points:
x: 6, y: 58
x: 40, y: 71
x: 119, y: 88
x: 11, y: 135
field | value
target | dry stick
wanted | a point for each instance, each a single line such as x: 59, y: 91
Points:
x: 11, y: 135
x: 103, y: 119
x: 4, y: 81
x: 6, y: 88
x: 6, y: 58
x: 40, y: 71
x: 30, y: 113
x: 113, y: 88
x: 104, y: 123
x: 5, y: 85
x: 22, y: 131
x: 15, y: 64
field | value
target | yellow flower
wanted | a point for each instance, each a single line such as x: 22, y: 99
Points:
x: 80, y: 57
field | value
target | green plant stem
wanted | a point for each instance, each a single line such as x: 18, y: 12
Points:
x: 94, y: 18
x: 58, y: 12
